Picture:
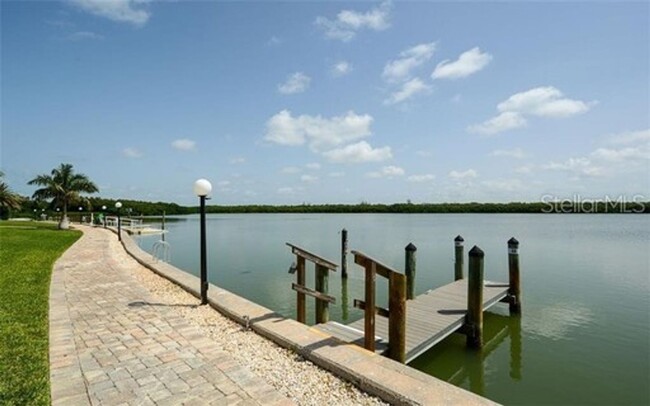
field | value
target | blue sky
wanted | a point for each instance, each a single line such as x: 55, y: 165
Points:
x: 323, y: 102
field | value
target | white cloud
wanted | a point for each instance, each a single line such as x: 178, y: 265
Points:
x: 313, y: 166
x: 348, y: 22
x: 525, y: 169
x: 237, y: 160
x: 290, y: 170
x: 223, y: 183
x: 421, y: 178
x: 508, y: 120
x: 516, y: 153
x: 504, y: 185
x: 468, y: 174
x: 131, y: 152
x: 468, y: 62
x: 358, y: 153
x: 400, y: 69
x: 622, y: 154
x: 633, y: 156
x: 308, y: 178
x: 387, y: 172
x: 630, y: 137
x: 318, y: 132
x: 408, y: 90
x: 84, y: 35
x: 336, y: 174
x: 125, y: 11
x: 543, y: 102
x: 578, y: 166
x: 341, y: 68
x: 184, y: 144
x: 295, y: 83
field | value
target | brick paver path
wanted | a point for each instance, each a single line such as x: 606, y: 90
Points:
x: 110, y: 344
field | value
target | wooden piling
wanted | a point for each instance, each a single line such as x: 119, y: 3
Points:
x: 369, y: 316
x: 397, y: 316
x: 322, y: 285
x: 513, y: 273
x: 301, y: 305
x: 474, y: 318
x: 458, y: 264
x: 344, y: 253
x: 410, y: 270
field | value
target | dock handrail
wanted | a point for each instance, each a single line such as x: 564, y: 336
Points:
x: 322, y: 268
x: 396, y: 311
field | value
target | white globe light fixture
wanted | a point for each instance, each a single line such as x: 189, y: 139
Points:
x: 104, y: 215
x: 202, y: 188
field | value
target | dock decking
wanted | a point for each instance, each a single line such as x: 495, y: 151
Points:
x: 430, y: 317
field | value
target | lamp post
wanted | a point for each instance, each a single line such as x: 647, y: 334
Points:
x: 118, y: 205
x: 104, y: 215
x: 80, y: 218
x: 202, y: 188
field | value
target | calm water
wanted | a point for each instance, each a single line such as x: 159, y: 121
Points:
x: 583, y: 338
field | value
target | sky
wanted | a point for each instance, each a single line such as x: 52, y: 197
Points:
x: 330, y: 102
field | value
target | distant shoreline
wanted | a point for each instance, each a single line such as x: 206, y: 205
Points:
x: 566, y: 206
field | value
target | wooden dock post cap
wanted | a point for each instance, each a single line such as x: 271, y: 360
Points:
x: 459, y: 239
x: 513, y: 242
x: 476, y: 252
x: 411, y: 247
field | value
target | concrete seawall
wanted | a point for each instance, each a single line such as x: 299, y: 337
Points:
x: 391, y: 381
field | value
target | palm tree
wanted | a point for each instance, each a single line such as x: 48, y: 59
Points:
x: 63, y: 186
x: 8, y: 199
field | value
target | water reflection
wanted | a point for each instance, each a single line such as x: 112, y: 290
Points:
x: 344, y: 299
x: 556, y: 320
x: 454, y: 363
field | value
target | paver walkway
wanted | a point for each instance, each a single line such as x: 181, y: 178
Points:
x: 110, y: 344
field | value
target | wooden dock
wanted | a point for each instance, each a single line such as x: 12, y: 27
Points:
x: 410, y: 325
x: 430, y: 318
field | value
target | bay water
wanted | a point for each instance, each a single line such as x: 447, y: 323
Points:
x: 584, y: 333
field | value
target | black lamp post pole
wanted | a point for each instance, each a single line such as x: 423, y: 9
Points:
x: 204, y: 265
x: 119, y: 226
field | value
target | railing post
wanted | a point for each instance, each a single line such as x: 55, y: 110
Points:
x: 458, y: 264
x: 474, y: 317
x: 397, y: 317
x: 369, y: 312
x: 513, y: 272
x: 301, y: 305
x: 410, y: 270
x: 344, y: 253
x: 322, y: 307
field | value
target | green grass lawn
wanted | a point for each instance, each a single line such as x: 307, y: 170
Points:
x: 27, y: 252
